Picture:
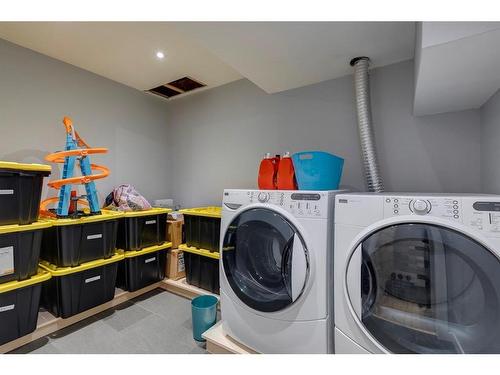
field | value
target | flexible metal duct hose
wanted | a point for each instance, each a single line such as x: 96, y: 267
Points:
x: 365, y: 127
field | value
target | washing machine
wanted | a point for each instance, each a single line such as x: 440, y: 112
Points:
x: 277, y: 270
x: 417, y: 273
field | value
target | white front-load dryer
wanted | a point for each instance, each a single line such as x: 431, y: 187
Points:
x: 277, y: 270
x: 417, y: 273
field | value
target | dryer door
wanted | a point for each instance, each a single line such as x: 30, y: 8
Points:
x: 424, y: 288
x: 265, y: 260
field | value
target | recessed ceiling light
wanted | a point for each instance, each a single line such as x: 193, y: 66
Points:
x: 160, y: 55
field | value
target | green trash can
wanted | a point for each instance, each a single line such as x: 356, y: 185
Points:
x: 204, y: 311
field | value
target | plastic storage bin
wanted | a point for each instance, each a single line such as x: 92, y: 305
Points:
x: 19, y: 305
x: 202, y: 268
x: 20, y: 191
x: 204, y: 315
x: 317, y: 170
x: 142, y: 268
x: 20, y: 250
x: 140, y: 229
x: 72, y: 290
x: 71, y: 242
x: 202, y: 226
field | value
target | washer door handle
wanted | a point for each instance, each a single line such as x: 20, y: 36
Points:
x: 300, y: 267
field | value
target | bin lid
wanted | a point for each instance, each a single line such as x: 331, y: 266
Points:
x: 105, y: 215
x: 63, y: 271
x: 202, y: 252
x: 40, y: 277
x: 213, y: 211
x: 152, y: 211
x: 146, y: 250
x: 37, y: 225
x: 25, y: 166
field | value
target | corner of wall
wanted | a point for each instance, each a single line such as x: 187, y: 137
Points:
x: 489, y: 117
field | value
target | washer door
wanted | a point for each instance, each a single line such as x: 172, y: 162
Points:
x: 422, y: 288
x: 265, y: 260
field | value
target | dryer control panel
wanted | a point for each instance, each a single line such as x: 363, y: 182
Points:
x: 302, y: 204
x: 446, y: 208
x: 481, y: 213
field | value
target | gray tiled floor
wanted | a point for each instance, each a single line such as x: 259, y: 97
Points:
x: 157, y: 322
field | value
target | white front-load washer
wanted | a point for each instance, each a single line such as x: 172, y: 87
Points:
x: 417, y: 273
x: 277, y: 270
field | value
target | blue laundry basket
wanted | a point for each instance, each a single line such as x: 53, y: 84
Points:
x: 317, y: 170
x: 204, y: 311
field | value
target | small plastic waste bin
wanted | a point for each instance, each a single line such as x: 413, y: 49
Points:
x: 204, y: 310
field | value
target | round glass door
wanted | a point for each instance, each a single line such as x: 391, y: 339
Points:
x: 429, y: 289
x: 265, y: 260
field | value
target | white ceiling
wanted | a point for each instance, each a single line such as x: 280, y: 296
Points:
x: 123, y: 51
x: 279, y: 56
x: 275, y: 56
x: 458, y: 66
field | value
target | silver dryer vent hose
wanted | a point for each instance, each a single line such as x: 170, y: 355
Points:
x: 365, y: 126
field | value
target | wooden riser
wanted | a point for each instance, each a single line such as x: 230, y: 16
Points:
x: 182, y: 288
x: 48, y: 323
x: 218, y: 342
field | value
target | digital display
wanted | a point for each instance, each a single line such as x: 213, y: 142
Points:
x: 486, y: 206
x: 305, y: 197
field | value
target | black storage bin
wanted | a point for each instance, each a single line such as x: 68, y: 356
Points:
x: 141, y: 229
x: 20, y: 192
x: 201, y: 270
x: 142, y: 268
x: 202, y: 227
x: 71, y: 242
x: 72, y: 290
x: 20, y: 250
x: 19, y: 305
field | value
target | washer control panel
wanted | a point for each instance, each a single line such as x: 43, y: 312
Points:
x: 299, y: 203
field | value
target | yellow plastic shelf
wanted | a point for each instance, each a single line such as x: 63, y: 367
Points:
x: 152, y: 211
x: 63, y: 271
x: 25, y: 167
x: 213, y: 211
x: 40, y: 277
x: 202, y: 252
x: 105, y: 215
x: 146, y: 250
x: 22, y: 228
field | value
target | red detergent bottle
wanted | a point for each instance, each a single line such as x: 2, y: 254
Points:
x: 286, y: 174
x: 267, y: 173
x: 276, y: 161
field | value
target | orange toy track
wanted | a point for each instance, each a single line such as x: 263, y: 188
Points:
x: 59, y: 157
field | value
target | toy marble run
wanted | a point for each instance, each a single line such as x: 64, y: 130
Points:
x: 76, y: 150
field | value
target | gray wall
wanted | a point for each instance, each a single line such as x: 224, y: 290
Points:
x: 490, y: 145
x: 194, y: 147
x: 218, y: 137
x: 37, y: 91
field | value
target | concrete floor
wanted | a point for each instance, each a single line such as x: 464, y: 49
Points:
x: 156, y: 322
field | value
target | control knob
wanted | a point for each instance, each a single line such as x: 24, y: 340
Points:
x: 421, y: 207
x: 263, y: 197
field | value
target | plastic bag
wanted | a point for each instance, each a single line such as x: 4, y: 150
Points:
x: 126, y: 198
